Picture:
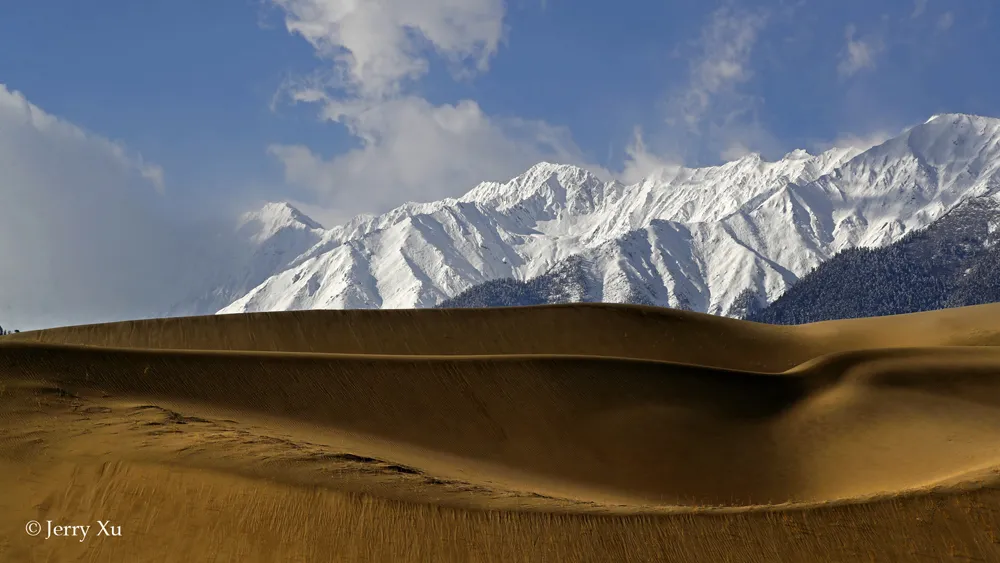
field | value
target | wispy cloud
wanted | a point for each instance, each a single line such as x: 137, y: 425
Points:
x: 946, y: 21
x: 919, y: 7
x: 640, y: 163
x: 861, y: 142
x: 709, y: 114
x: 723, y: 62
x: 735, y: 151
x: 859, y: 54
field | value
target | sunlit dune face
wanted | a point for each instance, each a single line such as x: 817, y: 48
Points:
x: 669, y: 442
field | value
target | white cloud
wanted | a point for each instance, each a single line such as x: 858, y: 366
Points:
x: 377, y: 45
x: 858, y: 54
x: 152, y: 172
x: 919, y: 7
x: 83, y: 235
x: 411, y: 150
x: 713, y: 114
x: 640, y: 163
x: 861, y: 142
x: 415, y: 151
x: 735, y: 151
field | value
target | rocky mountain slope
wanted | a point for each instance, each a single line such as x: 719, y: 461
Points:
x: 953, y: 263
x: 264, y: 242
x: 692, y: 238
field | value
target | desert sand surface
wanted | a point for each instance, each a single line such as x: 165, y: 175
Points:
x: 557, y: 433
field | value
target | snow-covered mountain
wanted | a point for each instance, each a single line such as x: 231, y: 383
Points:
x: 692, y: 238
x: 265, y: 242
x: 955, y: 262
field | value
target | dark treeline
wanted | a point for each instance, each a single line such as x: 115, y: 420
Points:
x: 565, y: 283
x: 952, y: 263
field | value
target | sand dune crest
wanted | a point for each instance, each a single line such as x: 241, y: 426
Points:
x: 555, y: 414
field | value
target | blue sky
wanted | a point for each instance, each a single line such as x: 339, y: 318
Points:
x: 421, y: 99
x: 133, y: 132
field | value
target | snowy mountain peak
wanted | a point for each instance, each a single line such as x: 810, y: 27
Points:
x: 959, y: 116
x: 959, y: 120
x: 945, y: 157
x: 546, y: 187
x: 286, y: 213
x: 687, y: 237
x: 562, y: 174
x: 954, y: 135
x: 749, y: 159
x: 798, y: 154
x: 272, y: 218
x: 546, y: 167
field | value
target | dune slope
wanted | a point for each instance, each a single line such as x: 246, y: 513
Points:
x: 592, y: 329
x: 511, y: 434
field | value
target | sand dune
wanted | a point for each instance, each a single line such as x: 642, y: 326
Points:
x: 565, y: 433
x: 624, y: 331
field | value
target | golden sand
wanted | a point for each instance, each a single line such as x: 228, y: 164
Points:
x: 562, y: 433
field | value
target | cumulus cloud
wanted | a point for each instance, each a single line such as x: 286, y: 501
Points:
x: 415, y: 151
x: 859, y: 54
x: 377, y: 45
x: 83, y: 237
x: 410, y: 149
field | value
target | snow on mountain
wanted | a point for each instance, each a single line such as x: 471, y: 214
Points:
x: 955, y: 262
x: 685, y: 237
x: 277, y: 220
x: 264, y: 242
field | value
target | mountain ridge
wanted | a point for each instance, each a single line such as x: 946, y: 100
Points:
x: 952, y: 263
x: 685, y: 237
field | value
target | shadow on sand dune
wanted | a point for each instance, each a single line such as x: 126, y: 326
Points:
x: 564, y: 433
